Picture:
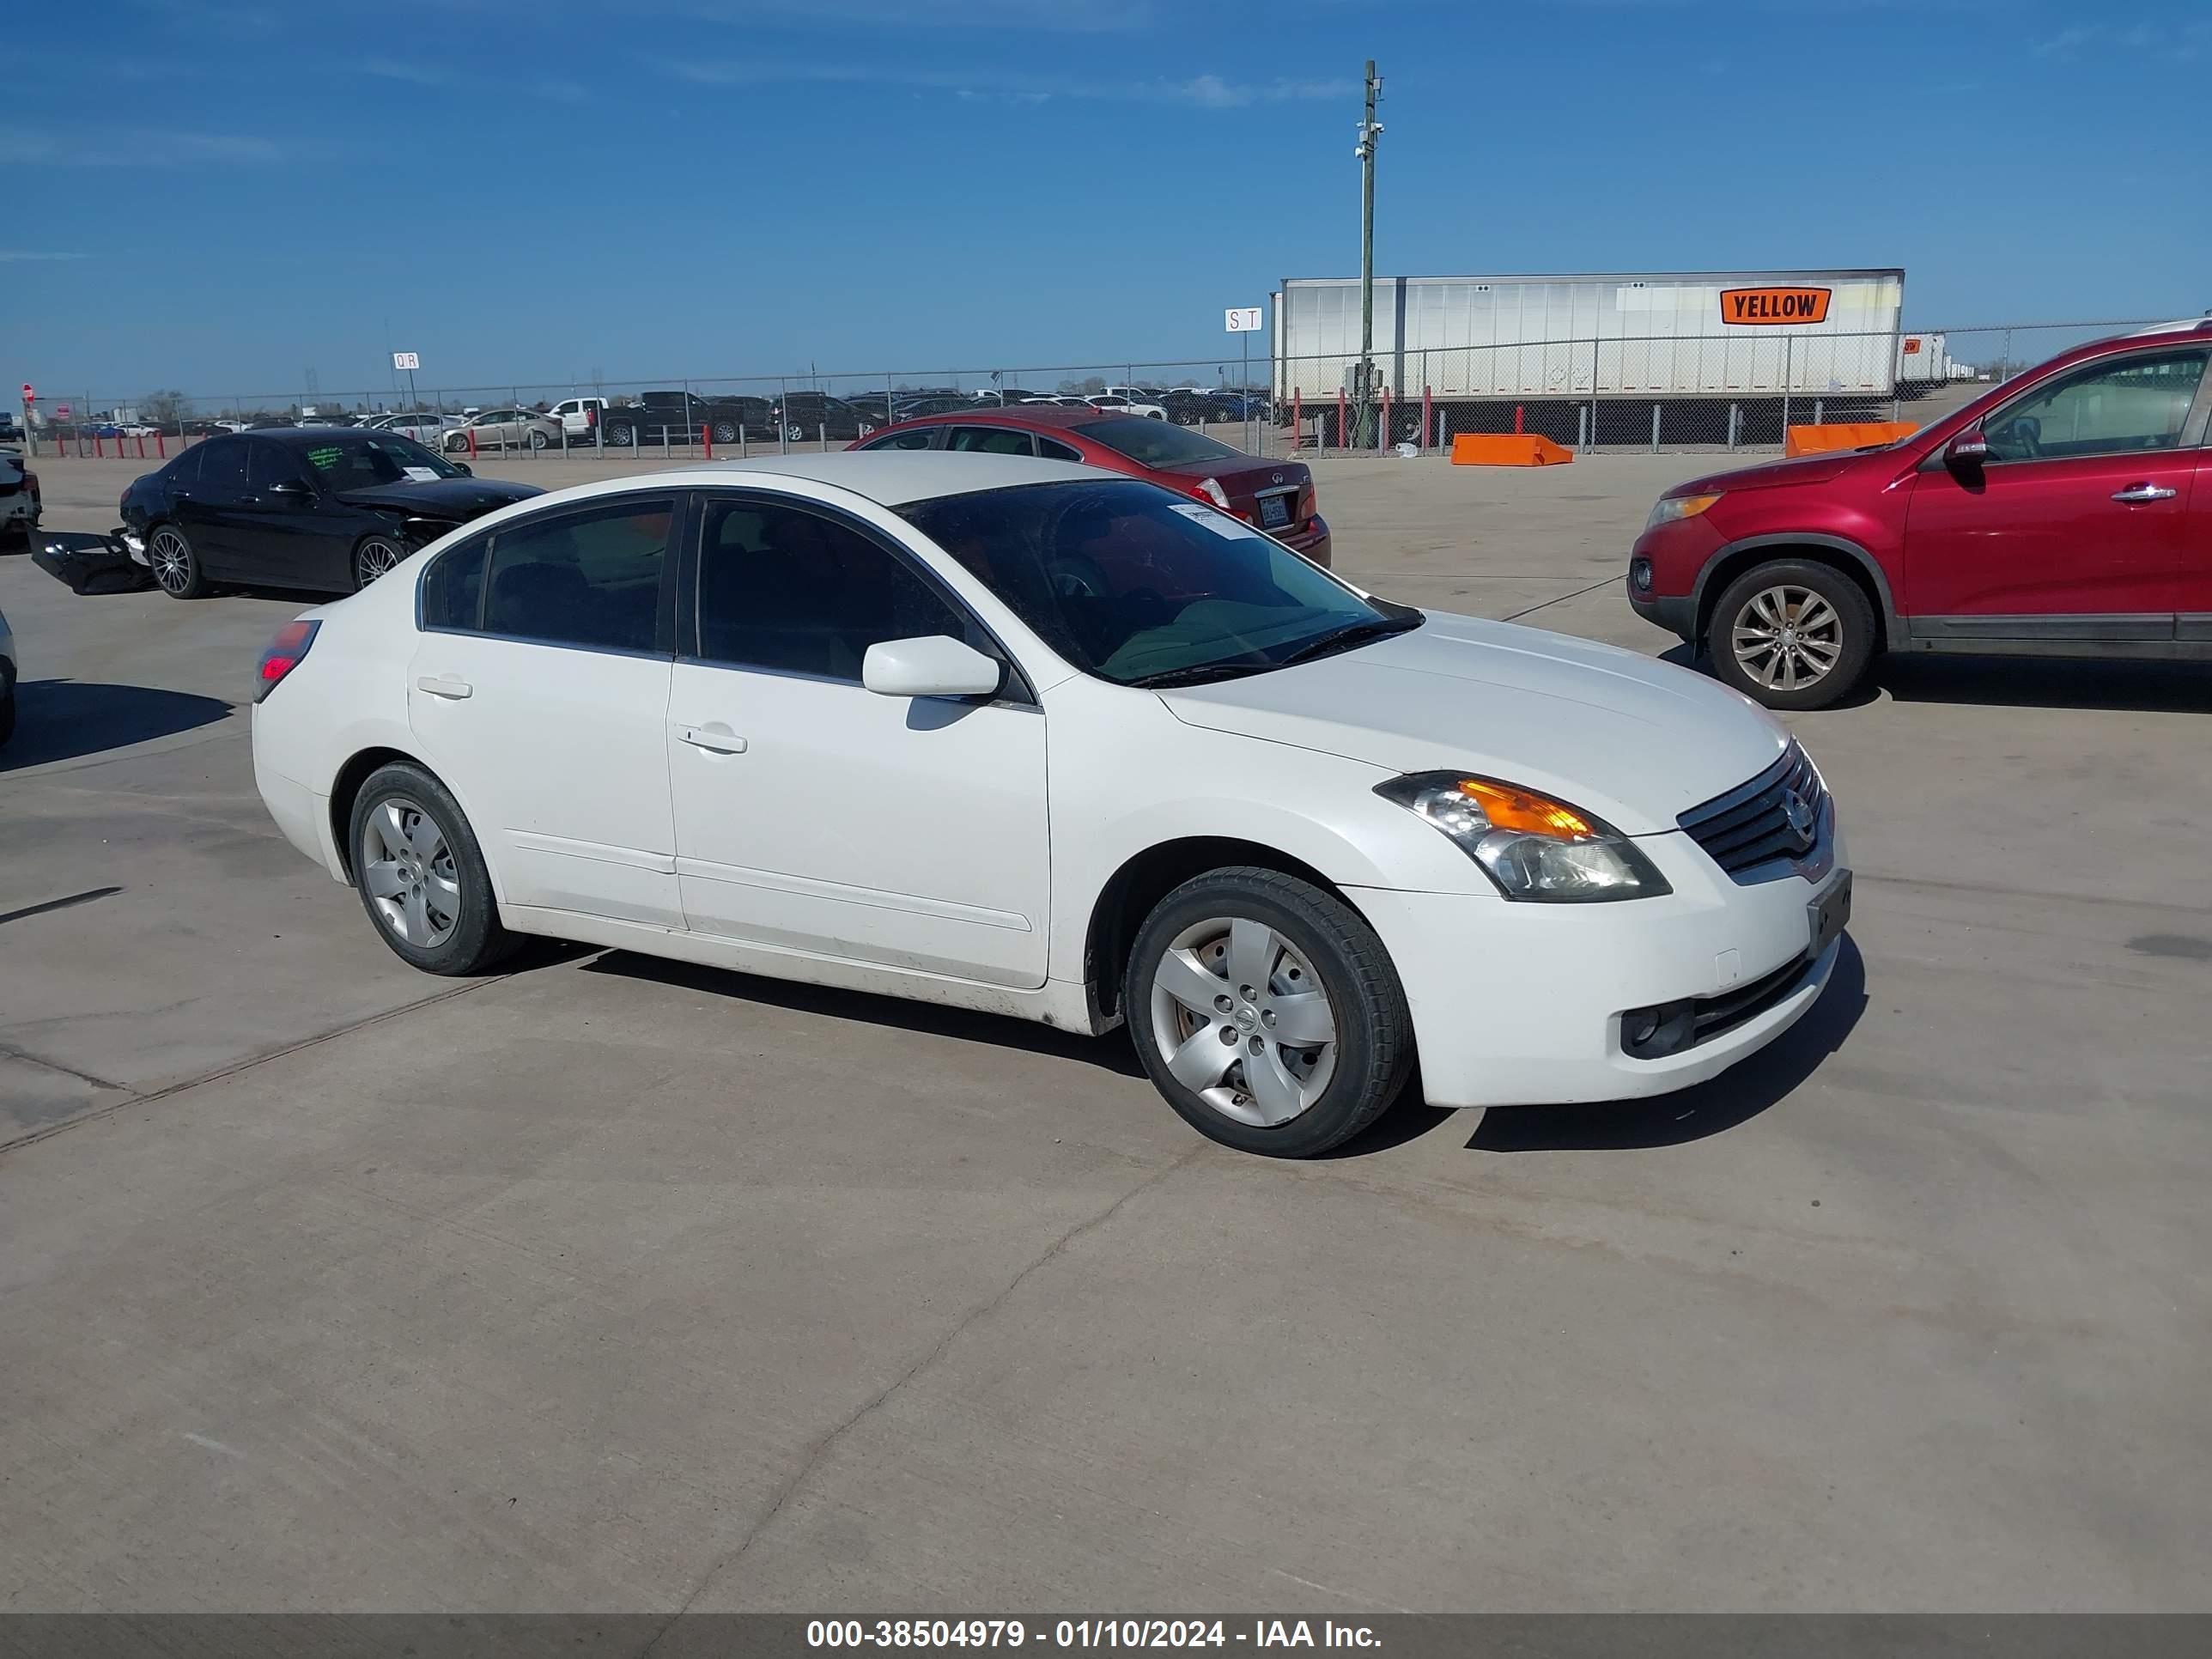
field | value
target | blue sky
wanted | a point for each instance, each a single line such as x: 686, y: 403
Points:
x: 223, y: 194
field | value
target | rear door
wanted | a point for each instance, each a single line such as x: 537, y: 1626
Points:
x: 211, y: 510
x: 540, y: 692
x: 2075, y: 528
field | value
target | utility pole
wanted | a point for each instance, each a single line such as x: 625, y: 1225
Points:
x: 1369, y: 131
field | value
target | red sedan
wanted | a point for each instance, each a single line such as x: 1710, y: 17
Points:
x: 1276, y: 496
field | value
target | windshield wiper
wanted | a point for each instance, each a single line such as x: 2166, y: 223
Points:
x: 1345, y: 638
x: 1202, y: 673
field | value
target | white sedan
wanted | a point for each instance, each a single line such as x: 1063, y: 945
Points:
x: 1019, y: 735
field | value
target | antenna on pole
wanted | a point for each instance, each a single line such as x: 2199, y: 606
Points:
x: 1370, y: 130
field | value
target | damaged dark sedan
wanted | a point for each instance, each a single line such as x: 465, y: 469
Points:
x: 331, y: 508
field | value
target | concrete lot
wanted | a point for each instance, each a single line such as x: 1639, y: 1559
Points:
x: 611, y: 1284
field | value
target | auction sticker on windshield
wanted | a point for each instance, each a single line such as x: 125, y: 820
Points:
x: 1220, y: 523
x: 419, y: 474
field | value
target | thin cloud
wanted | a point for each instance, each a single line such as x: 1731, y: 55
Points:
x: 17, y: 256
x: 415, y: 74
x: 142, y: 147
x: 1201, y: 91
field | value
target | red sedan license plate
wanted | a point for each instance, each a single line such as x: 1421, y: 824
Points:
x: 1831, y: 913
x: 1274, y: 512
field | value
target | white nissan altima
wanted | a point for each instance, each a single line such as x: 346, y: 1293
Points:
x: 1021, y: 736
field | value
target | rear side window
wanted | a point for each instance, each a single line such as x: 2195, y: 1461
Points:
x: 453, y: 588
x: 185, y: 470
x: 590, y: 578
x: 1053, y: 450
x: 222, y: 465
x: 991, y: 440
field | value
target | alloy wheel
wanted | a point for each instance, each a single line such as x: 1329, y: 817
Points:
x: 407, y: 871
x: 172, y: 561
x: 1787, y: 638
x: 376, y: 557
x: 1241, y: 1021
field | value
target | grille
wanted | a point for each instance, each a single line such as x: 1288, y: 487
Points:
x: 1755, y: 830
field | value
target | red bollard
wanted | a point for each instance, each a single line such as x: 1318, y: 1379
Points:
x: 707, y: 439
x: 1516, y: 420
x: 99, y: 447
x: 1428, y: 415
x: 472, y: 443
x: 1343, y: 432
x: 141, y: 445
x: 161, y: 443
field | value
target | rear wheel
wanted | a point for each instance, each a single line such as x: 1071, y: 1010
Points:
x: 1792, y: 634
x: 176, y: 566
x: 1268, y: 1012
x: 539, y: 440
x: 726, y: 432
x: 420, y: 874
x: 622, y: 437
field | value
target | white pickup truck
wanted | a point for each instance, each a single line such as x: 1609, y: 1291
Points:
x: 580, y: 417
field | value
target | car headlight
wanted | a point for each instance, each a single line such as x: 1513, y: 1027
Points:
x: 1672, y: 508
x: 1532, y: 846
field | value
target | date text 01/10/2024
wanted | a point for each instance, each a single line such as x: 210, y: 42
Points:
x: 1084, y: 1633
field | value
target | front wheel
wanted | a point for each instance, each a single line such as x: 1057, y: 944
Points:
x: 421, y: 875
x: 376, y: 557
x: 1268, y: 1012
x: 726, y: 432
x: 176, y: 566
x: 1792, y: 634
x: 539, y: 440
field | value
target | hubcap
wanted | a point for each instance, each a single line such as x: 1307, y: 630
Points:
x: 1788, y: 638
x: 1242, y: 1020
x: 376, y: 558
x: 172, y: 561
x: 407, y: 871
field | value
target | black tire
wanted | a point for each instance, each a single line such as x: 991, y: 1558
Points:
x: 476, y: 941
x: 539, y: 440
x: 622, y: 436
x: 7, y: 711
x: 726, y: 432
x: 169, y: 550
x: 1852, y: 637
x: 1374, y: 1029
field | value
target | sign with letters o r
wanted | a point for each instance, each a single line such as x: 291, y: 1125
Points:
x: 407, y: 359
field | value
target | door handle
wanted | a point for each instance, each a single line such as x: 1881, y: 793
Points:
x: 715, y: 738
x: 2145, y: 492
x: 444, y: 685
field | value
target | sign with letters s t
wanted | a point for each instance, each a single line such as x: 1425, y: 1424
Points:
x: 1775, y: 305
x: 1242, y: 320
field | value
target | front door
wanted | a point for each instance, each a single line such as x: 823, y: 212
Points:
x: 2074, y: 528
x: 289, y: 534
x: 812, y: 814
x: 540, y: 692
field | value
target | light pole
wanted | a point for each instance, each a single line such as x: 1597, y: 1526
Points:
x: 1369, y: 131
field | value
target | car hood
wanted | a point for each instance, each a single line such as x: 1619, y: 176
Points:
x: 1636, y: 741
x: 1805, y: 470
x: 457, y: 499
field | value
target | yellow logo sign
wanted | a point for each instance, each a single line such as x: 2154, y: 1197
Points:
x: 1774, y: 305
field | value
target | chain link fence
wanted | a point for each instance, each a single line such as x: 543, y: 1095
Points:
x: 1721, y: 393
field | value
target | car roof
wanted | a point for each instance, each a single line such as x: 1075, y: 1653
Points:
x: 888, y: 478
x: 1038, y: 415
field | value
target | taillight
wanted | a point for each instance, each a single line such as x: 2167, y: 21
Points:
x: 1309, y: 502
x: 285, y: 652
x: 1210, y: 491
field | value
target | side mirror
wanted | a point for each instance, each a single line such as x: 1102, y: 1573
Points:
x: 1966, y: 451
x: 465, y: 469
x: 935, y: 665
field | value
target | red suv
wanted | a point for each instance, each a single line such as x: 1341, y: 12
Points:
x: 1278, y: 496
x: 2052, y: 515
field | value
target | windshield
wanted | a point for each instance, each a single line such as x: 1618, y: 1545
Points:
x: 1154, y: 443
x: 1133, y: 583
x: 360, y: 460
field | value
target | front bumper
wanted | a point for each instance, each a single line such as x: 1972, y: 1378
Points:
x: 90, y: 564
x: 1522, y: 1004
x: 1677, y: 613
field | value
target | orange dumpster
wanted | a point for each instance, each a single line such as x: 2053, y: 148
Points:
x: 1506, y: 449
x: 1844, y: 434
